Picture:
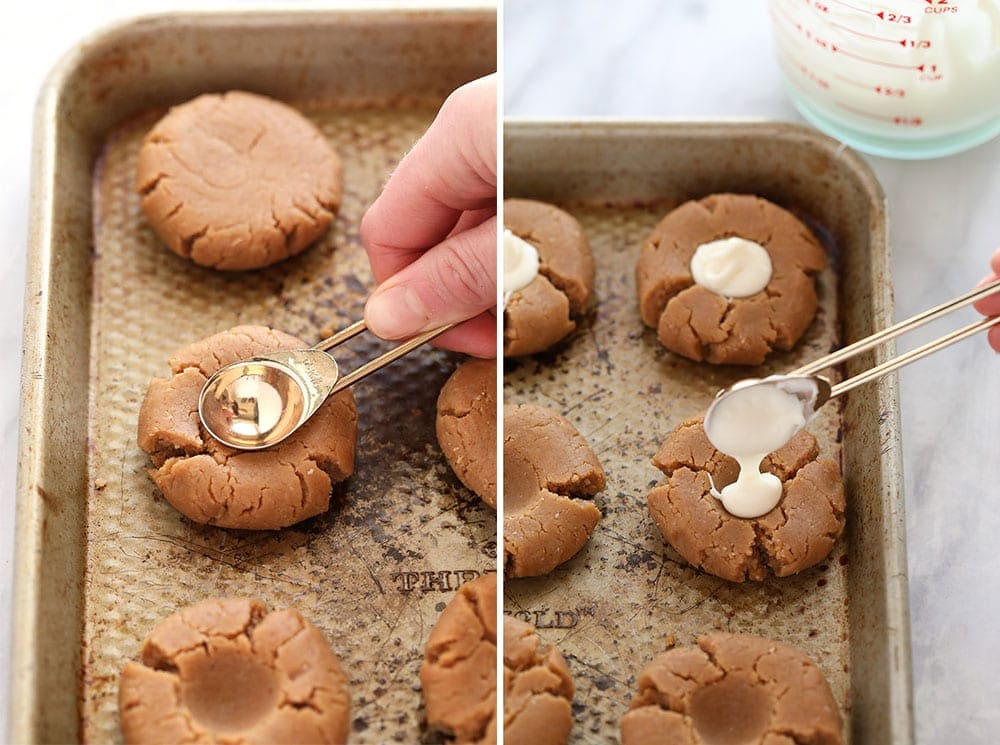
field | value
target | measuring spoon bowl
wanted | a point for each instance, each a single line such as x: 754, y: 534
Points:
x: 257, y: 403
x: 811, y: 392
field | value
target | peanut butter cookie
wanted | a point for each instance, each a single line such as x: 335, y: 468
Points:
x: 237, y: 181
x: 732, y: 688
x: 211, y: 483
x: 701, y: 325
x: 458, y: 675
x: 467, y: 426
x: 549, y: 471
x: 538, y: 689
x: 543, y: 313
x: 228, y: 671
x: 798, y: 533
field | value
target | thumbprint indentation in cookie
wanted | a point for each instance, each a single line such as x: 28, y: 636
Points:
x: 550, y: 474
x: 228, y: 670
x: 732, y: 689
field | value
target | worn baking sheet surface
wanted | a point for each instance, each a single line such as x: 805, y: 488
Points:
x: 626, y: 596
x: 103, y: 557
x: 349, y: 571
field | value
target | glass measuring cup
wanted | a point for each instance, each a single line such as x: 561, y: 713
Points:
x: 902, y: 78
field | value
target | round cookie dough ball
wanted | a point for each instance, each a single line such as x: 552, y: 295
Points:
x: 213, y: 484
x: 732, y: 688
x: 226, y: 670
x: 541, y: 314
x: 458, y: 674
x: 701, y: 325
x: 798, y: 533
x: 237, y: 181
x: 467, y: 426
x: 549, y: 470
x: 538, y: 689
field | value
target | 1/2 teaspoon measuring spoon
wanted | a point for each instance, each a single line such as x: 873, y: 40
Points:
x: 256, y: 403
x: 813, y: 390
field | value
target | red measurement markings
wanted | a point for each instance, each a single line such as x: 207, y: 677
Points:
x: 817, y: 40
x: 855, y: 83
x: 881, y: 90
x: 901, y: 121
x: 806, y: 72
x: 885, y: 15
x: 907, y: 43
x: 939, y: 6
x: 869, y: 60
x: 929, y: 73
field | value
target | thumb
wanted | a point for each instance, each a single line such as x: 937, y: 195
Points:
x: 452, y: 282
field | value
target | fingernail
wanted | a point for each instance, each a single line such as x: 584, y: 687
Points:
x: 395, y: 312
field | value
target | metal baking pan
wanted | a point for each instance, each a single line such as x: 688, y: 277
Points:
x: 101, y: 556
x: 626, y: 596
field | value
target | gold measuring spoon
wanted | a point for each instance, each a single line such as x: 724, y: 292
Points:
x: 257, y: 403
x: 813, y: 390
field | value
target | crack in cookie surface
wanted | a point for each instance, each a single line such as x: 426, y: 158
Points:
x: 550, y: 473
x: 538, y: 689
x: 458, y: 674
x: 703, y: 326
x: 732, y: 688
x: 798, y: 533
x: 227, y: 670
x: 214, y: 484
x: 466, y: 426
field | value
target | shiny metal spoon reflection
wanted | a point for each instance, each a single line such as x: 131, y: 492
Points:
x: 257, y: 403
x: 811, y: 391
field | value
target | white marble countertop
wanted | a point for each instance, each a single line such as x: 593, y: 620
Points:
x: 699, y: 58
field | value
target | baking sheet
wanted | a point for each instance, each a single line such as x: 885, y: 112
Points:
x: 626, y: 596
x: 102, y: 557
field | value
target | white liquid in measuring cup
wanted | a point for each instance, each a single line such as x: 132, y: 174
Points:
x: 915, y: 78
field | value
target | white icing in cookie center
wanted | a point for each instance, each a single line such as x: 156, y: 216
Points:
x: 520, y: 263
x: 746, y: 425
x: 732, y: 267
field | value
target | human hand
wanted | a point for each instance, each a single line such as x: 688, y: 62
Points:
x: 990, y: 306
x: 431, y: 234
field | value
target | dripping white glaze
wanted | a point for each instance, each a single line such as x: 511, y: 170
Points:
x: 747, y: 424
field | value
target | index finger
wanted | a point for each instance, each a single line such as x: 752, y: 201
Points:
x: 989, y: 305
x: 451, y: 170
